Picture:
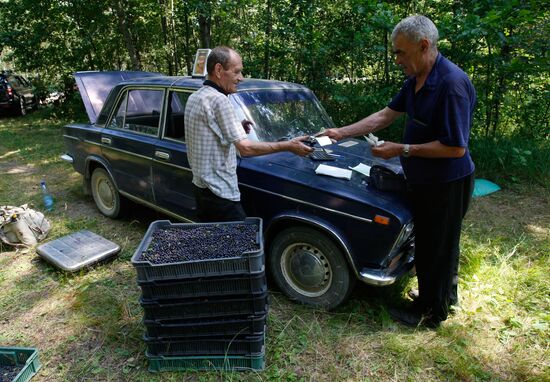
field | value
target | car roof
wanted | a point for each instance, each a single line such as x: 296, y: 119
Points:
x: 95, y: 86
x: 196, y: 82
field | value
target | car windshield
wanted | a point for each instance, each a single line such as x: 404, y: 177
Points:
x: 281, y: 114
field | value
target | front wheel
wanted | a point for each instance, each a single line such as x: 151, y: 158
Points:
x: 310, y: 268
x: 105, y: 194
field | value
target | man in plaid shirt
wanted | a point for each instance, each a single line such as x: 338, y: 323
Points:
x: 213, y: 136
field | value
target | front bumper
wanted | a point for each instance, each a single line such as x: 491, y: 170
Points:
x: 67, y: 158
x: 402, y: 264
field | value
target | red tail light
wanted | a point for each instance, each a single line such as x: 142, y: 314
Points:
x: 10, y: 91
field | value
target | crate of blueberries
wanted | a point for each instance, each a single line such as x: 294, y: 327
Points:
x: 204, y: 287
x: 214, y: 327
x: 199, y: 308
x: 253, y: 362
x: 18, y: 364
x: 179, y: 251
x: 191, y: 346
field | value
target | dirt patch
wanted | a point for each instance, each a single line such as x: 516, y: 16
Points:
x: 526, y: 210
x: 11, y: 168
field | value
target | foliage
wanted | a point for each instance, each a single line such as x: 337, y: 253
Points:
x: 341, y: 50
x: 512, y: 159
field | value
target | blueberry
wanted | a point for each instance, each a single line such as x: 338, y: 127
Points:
x: 182, y: 244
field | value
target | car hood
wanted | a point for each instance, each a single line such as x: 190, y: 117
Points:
x: 351, y: 152
x: 94, y: 87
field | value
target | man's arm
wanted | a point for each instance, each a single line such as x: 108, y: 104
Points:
x: 434, y: 149
x: 374, y: 122
x: 248, y: 148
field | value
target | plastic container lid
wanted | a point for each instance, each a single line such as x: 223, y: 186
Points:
x: 77, y: 250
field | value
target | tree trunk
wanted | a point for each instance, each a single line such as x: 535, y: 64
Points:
x: 165, y: 39
x: 386, y: 59
x: 124, y: 25
x: 501, y: 88
x: 268, y: 30
x: 175, y: 54
x: 187, y: 38
x: 205, y: 25
x: 488, y: 90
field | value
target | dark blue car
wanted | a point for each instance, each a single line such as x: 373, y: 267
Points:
x: 321, y: 233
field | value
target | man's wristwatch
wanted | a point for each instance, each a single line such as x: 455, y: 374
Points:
x: 406, y: 153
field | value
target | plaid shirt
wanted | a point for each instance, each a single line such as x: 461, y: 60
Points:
x: 211, y: 128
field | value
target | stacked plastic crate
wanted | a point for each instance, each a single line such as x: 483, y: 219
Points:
x: 203, y: 314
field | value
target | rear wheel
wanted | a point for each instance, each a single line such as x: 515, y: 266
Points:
x: 105, y: 194
x: 310, y: 268
x: 22, y: 109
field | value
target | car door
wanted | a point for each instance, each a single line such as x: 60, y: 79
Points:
x: 172, y: 174
x: 21, y: 89
x: 129, y: 140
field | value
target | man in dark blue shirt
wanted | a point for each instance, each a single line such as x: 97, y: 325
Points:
x: 438, y: 99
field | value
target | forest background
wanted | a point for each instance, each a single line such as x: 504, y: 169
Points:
x: 341, y: 50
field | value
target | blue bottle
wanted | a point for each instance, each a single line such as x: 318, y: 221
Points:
x: 46, y: 196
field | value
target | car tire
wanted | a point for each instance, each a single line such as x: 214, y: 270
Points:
x: 310, y: 268
x: 105, y: 194
x: 22, y: 108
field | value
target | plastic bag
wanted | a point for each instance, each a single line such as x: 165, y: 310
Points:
x: 22, y: 226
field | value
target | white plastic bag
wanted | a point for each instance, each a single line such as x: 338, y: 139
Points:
x: 22, y: 226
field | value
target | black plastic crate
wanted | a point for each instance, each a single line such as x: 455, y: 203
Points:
x: 207, y: 362
x: 229, y: 345
x: 249, y: 263
x: 205, y: 307
x: 245, y: 325
x: 204, y: 287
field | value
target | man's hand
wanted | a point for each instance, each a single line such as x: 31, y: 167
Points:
x: 333, y: 134
x: 387, y: 150
x: 247, y: 125
x: 296, y: 146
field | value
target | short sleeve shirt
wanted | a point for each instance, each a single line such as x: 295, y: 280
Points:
x: 441, y: 110
x: 211, y: 129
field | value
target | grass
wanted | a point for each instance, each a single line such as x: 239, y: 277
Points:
x: 87, y: 326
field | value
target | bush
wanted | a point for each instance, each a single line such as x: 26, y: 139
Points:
x: 512, y: 159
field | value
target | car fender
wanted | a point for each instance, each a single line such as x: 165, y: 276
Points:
x: 94, y: 159
x: 281, y: 220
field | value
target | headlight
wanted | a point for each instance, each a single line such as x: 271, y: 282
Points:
x: 405, y: 233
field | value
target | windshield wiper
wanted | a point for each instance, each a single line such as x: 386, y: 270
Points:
x: 287, y: 137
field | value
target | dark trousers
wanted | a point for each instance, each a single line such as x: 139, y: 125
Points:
x: 438, y: 210
x: 212, y: 208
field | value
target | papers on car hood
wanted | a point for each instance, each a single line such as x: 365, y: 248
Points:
x: 336, y: 172
x: 323, y: 141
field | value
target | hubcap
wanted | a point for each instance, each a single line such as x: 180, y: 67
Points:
x: 105, y: 193
x: 306, y: 269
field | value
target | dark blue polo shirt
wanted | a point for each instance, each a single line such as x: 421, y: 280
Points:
x: 441, y: 110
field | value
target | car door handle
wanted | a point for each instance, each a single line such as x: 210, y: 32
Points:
x: 162, y: 155
x: 106, y: 140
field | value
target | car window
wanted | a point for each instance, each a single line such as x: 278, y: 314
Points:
x: 14, y: 81
x: 139, y: 110
x: 282, y: 114
x: 175, y: 128
x: 23, y: 81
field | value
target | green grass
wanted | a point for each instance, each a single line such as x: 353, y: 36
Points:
x: 87, y: 325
